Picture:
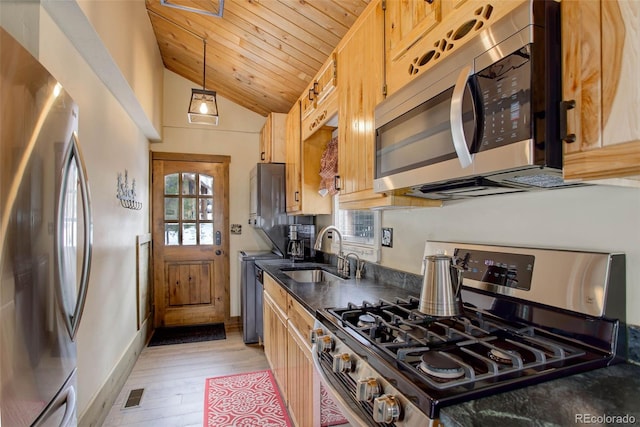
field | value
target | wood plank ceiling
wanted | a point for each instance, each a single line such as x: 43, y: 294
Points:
x: 261, y: 54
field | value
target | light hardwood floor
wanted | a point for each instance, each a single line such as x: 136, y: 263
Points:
x: 173, y: 378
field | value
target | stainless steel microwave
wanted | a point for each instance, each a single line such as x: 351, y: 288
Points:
x: 485, y: 120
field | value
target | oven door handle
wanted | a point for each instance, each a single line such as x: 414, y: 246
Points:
x: 349, y: 413
x: 457, y: 123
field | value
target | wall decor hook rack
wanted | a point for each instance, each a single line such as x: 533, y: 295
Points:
x: 126, y: 195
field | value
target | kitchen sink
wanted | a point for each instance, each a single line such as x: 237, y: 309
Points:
x: 312, y: 276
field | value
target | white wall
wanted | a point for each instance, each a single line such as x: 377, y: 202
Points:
x: 111, y: 142
x: 133, y: 47
x: 238, y: 136
x: 599, y: 218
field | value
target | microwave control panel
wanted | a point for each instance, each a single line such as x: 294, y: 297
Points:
x: 504, y: 89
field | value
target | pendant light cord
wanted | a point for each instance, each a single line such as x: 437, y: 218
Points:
x: 204, y: 63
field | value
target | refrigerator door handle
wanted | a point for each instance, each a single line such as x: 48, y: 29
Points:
x: 74, y: 181
x: 66, y: 398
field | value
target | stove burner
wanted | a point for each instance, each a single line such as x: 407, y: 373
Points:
x: 500, y: 356
x: 439, y: 366
x: 366, y: 320
x: 503, y: 353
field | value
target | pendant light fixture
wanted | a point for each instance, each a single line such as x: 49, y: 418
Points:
x: 203, y: 108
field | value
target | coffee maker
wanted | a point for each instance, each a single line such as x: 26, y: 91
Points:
x: 301, y: 238
x: 295, y: 249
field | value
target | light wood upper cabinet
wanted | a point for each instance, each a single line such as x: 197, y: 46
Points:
x: 322, y: 85
x: 293, y: 167
x: 321, y: 102
x: 302, y: 168
x: 601, y: 64
x: 327, y: 79
x: 308, y: 100
x: 359, y: 92
x: 406, y: 22
x: 273, y: 139
x: 422, y: 33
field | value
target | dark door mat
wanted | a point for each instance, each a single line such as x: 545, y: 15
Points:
x: 185, y: 334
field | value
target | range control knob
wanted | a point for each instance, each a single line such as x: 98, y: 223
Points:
x: 325, y: 343
x: 367, y: 389
x: 343, y: 363
x: 386, y: 409
x: 314, y: 334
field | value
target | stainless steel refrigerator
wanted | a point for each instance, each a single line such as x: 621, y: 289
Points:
x: 46, y: 233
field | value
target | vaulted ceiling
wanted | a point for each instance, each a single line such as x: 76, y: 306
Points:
x: 260, y: 54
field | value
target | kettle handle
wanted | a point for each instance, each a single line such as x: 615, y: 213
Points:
x: 461, y: 270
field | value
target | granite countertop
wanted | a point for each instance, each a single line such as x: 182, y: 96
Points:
x: 596, y: 397
x: 600, y: 397
x: 316, y: 296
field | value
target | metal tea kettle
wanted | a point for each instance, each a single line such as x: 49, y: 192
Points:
x: 441, y: 284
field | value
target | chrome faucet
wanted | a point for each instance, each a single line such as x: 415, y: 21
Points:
x: 359, y: 265
x: 318, y: 245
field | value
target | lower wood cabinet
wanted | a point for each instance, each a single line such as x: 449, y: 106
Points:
x: 275, y: 341
x: 286, y: 344
x: 303, y: 392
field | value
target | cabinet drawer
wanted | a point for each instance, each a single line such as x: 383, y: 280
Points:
x: 276, y: 292
x: 300, y: 318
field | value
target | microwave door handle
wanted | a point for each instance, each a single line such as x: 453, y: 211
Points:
x: 457, y: 124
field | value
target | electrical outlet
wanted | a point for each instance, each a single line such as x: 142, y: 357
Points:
x: 387, y: 237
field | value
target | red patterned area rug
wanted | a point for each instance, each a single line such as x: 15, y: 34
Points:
x: 330, y: 415
x: 244, y: 400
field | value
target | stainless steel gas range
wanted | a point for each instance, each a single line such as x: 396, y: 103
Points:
x: 529, y: 315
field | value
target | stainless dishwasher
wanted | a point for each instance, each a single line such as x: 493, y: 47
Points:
x: 251, y: 294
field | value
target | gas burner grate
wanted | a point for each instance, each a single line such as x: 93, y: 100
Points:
x: 483, y: 346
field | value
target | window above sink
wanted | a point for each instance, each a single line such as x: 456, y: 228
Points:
x: 360, y: 230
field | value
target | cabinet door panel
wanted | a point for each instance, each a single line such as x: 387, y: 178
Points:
x: 275, y: 342
x: 582, y: 74
x: 407, y: 21
x: 620, y: 71
x: 601, y: 59
x: 359, y: 93
x: 293, y: 170
x: 304, y: 392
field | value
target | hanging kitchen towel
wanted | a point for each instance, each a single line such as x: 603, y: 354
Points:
x: 329, y: 168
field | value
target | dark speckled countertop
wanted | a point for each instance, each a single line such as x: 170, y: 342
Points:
x: 602, y: 397
x: 596, y: 397
x: 316, y: 296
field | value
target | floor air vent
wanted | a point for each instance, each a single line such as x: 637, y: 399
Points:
x: 134, y: 398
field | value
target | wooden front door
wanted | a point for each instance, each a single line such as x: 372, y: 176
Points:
x: 190, y: 238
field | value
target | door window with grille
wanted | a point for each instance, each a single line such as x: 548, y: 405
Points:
x: 188, y: 209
